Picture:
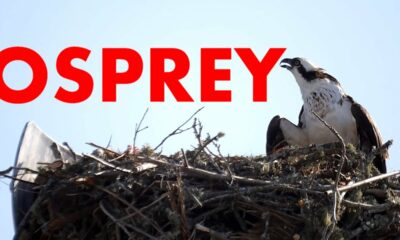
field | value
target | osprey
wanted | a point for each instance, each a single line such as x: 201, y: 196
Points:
x: 322, y: 94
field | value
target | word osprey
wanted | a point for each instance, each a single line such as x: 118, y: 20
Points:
x: 159, y: 76
x: 323, y: 95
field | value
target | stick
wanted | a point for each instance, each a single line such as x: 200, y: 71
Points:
x: 109, y: 142
x: 328, y: 148
x: 104, y: 162
x: 204, y: 147
x: 182, y: 208
x: 185, y: 160
x: 207, y: 142
x: 204, y: 174
x: 164, y: 195
x: 147, y: 219
x: 106, y: 212
x: 103, y: 148
x: 4, y: 172
x: 371, y: 208
x: 366, y: 181
x: 178, y: 130
x: 70, y: 149
x: 27, y: 215
x: 121, y: 225
x: 197, y: 172
x: 213, y: 234
x: 265, y: 234
x: 343, y: 158
x: 18, y: 169
x: 8, y: 170
x: 138, y: 129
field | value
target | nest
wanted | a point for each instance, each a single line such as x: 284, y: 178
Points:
x: 297, y: 193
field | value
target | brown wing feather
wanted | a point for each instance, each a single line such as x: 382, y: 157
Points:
x: 275, y: 138
x: 369, y: 134
x: 301, y: 124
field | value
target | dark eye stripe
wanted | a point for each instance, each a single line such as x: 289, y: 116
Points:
x: 312, y: 75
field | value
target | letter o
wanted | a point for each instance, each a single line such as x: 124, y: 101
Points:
x: 39, y: 72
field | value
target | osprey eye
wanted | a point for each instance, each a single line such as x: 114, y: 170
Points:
x: 296, y: 62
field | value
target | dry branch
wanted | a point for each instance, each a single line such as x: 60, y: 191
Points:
x: 179, y: 129
x: 366, y: 181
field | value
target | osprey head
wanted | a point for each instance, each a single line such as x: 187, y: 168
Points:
x: 298, y: 64
x: 306, y: 72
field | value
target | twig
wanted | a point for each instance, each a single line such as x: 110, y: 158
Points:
x: 343, y: 159
x: 154, y: 224
x: 109, y: 141
x: 103, y: 148
x: 371, y: 208
x: 27, y: 215
x: 356, y: 232
x: 185, y: 160
x: 138, y: 129
x: 203, y: 146
x: 118, y: 158
x: 14, y: 178
x: 207, y: 142
x: 18, y: 169
x: 366, y: 181
x: 104, y: 162
x: 164, y: 195
x: 225, y: 164
x: 8, y: 170
x: 222, y: 195
x: 197, y: 134
x: 259, y: 184
x: 20, y: 180
x: 117, y: 222
x: 216, y: 198
x: 71, y: 150
x: 211, y: 212
x: 178, y: 130
x: 197, y: 172
x: 213, y: 234
x: 196, y: 199
x: 328, y: 148
x: 280, y: 186
x: 182, y: 208
x: 378, y: 193
x: 265, y: 234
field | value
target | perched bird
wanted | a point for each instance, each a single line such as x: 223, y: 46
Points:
x: 322, y: 94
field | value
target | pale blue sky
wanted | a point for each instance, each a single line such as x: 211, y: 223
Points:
x: 357, y: 42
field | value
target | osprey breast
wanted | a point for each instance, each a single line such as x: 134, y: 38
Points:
x: 322, y: 101
x: 338, y: 115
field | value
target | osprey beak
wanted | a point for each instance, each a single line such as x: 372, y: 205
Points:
x: 287, y: 63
